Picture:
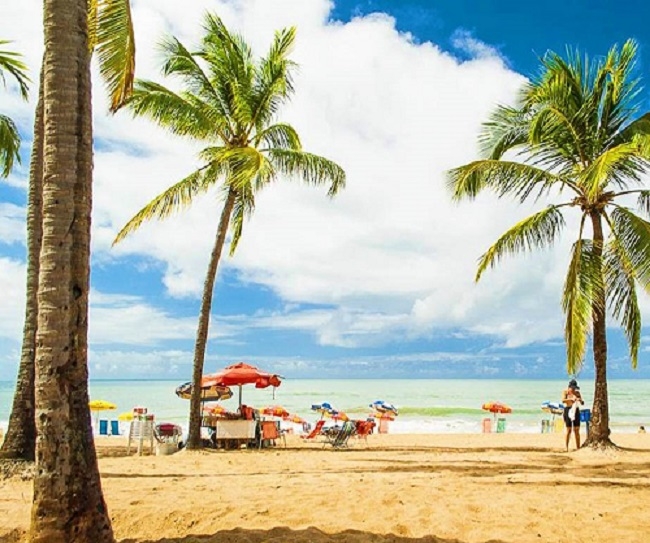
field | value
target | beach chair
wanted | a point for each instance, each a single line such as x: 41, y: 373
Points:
x: 103, y: 427
x: 363, y: 428
x: 140, y: 433
x: 342, y: 438
x: 115, y: 428
x: 269, y: 432
x: 315, y: 430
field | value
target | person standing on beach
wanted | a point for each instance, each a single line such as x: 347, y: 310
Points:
x: 571, y: 398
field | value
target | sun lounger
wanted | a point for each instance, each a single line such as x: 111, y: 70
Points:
x: 316, y: 430
x: 342, y: 438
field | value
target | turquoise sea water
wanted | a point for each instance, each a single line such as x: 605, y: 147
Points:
x: 425, y: 406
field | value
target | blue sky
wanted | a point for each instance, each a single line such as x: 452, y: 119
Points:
x: 378, y: 281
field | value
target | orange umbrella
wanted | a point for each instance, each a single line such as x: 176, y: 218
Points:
x: 215, y: 410
x: 337, y: 415
x: 275, y: 411
x: 296, y: 419
x: 496, y: 407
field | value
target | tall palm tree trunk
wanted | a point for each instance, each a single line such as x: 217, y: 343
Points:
x: 194, y: 434
x: 599, y: 425
x: 68, y: 505
x: 20, y: 441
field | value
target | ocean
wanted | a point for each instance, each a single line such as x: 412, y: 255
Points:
x: 425, y: 405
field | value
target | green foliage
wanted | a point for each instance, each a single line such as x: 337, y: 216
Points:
x: 110, y: 34
x: 229, y: 100
x: 574, y: 130
x: 9, y: 137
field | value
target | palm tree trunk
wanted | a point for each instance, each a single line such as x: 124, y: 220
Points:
x: 20, y: 441
x: 68, y: 504
x: 194, y: 435
x: 599, y: 426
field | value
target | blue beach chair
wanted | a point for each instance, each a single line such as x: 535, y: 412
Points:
x: 103, y: 427
x: 115, y: 428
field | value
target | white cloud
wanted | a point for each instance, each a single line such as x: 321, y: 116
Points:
x: 391, y: 257
x: 12, y: 286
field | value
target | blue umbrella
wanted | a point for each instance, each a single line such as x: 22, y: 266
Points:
x: 556, y: 408
x: 384, y: 407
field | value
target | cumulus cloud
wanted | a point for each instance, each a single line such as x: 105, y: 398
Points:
x: 391, y: 257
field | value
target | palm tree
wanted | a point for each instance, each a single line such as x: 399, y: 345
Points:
x: 9, y: 136
x: 230, y: 105
x: 111, y: 36
x: 68, y: 503
x: 576, y: 131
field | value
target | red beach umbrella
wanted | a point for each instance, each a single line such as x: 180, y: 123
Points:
x: 215, y: 410
x: 275, y: 411
x: 241, y: 374
x: 296, y: 419
x: 496, y: 407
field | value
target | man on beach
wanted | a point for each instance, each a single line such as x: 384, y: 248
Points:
x: 571, y: 398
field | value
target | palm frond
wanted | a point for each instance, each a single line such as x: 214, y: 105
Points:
x: 273, y: 82
x: 643, y: 202
x: 115, y: 45
x: 175, y: 198
x: 621, y: 294
x: 535, y: 232
x: 582, y: 286
x: 506, y: 129
x: 313, y: 169
x: 503, y: 177
x: 633, y: 235
x: 10, y: 62
x: 280, y: 135
x: 181, y: 114
x: 243, y: 208
x: 9, y: 145
x: 638, y: 127
x: 618, y: 165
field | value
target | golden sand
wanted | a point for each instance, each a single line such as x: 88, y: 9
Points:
x: 513, y: 488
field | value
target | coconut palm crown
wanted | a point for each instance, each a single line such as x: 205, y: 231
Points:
x: 9, y: 137
x: 229, y: 101
x: 575, y: 133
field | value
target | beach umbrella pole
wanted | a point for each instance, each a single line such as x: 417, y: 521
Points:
x: 240, y: 398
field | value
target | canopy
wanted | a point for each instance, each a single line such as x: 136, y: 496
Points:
x: 296, y: 419
x: 496, y: 407
x: 384, y: 407
x: 556, y: 408
x: 209, y: 393
x: 241, y: 374
x: 275, y: 411
x: 215, y: 410
x: 101, y: 405
x: 126, y: 416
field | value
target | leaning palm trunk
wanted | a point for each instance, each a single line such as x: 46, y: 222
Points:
x: 194, y: 435
x: 20, y: 441
x: 599, y: 426
x: 68, y: 505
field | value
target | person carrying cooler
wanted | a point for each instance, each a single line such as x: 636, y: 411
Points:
x: 571, y: 398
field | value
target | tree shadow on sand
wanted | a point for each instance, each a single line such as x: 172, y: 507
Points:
x: 308, y: 535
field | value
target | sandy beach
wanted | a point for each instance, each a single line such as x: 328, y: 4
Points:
x: 483, y: 488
